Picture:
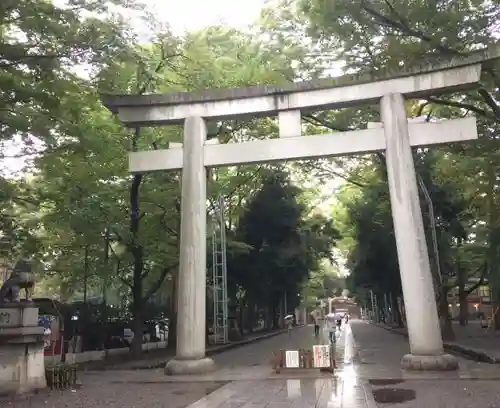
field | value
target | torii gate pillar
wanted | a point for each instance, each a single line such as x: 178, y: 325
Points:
x: 424, y: 333
x: 191, y: 302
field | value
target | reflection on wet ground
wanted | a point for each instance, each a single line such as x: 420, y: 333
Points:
x: 368, y: 376
x: 331, y: 393
x: 393, y: 395
x: 340, y: 390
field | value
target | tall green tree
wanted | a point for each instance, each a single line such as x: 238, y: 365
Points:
x: 285, y: 246
x: 368, y: 37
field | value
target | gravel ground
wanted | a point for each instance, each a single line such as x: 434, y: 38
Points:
x: 150, y: 388
x: 474, y: 385
x: 96, y: 394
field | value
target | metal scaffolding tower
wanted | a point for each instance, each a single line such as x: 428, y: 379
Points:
x: 219, y: 270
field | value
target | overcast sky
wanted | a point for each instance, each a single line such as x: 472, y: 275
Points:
x: 182, y: 16
x: 188, y: 15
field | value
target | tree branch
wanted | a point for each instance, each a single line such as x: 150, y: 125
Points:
x: 421, y: 108
x: 125, y: 281
x: 490, y: 101
x: 404, y: 26
x: 314, y: 120
x: 480, y: 282
x: 154, y: 288
x: 461, y: 105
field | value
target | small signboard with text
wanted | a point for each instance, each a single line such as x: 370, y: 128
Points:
x: 292, y: 359
x: 320, y: 357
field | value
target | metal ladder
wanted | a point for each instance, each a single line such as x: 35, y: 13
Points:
x: 219, y: 271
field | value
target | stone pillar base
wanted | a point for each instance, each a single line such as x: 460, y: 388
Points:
x: 187, y: 367
x: 22, y: 366
x: 443, y: 362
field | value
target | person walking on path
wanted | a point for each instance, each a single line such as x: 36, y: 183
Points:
x: 316, y: 327
x: 289, y: 325
x: 331, y: 328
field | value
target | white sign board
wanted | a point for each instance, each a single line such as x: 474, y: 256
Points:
x: 292, y: 359
x: 321, y: 356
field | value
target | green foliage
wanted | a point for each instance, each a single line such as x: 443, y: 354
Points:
x: 368, y: 36
x: 285, y: 245
x: 40, y: 46
x: 83, y: 223
x: 79, y: 191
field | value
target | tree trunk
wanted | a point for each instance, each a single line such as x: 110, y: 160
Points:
x: 493, y: 242
x: 137, y: 304
x: 282, y: 312
x: 251, y: 316
x: 137, y: 253
x: 444, y: 316
x: 241, y: 315
x: 248, y: 315
x: 401, y: 311
x: 138, y: 329
x: 172, y: 331
x: 462, y: 278
x: 172, y: 327
x: 269, y: 318
x: 463, y: 317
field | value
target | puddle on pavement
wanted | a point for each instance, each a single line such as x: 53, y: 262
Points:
x: 393, y: 395
x: 385, y: 381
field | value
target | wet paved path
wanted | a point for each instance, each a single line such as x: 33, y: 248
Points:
x: 369, y: 376
x: 368, y: 359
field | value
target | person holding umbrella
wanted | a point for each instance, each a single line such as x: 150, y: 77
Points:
x: 331, y: 327
x: 289, y: 323
x: 338, y: 318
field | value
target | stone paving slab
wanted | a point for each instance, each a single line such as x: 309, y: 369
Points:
x: 109, y: 395
x: 447, y: 394
x: 158, y: 358
x: 381, y: 350
x: 475, y: 384
x: 342, y: 389
x: 296, y: 393
x: 245, y: 380
x: 472, y: 342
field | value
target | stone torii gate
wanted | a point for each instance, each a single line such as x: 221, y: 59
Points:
x: 394, y: 135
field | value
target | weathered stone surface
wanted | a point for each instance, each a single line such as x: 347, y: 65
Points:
x: 191, y: 304
x: 414, y: 266
x: 304, y: 147
x: 113, y: 102
x: 190, y: 367
x: 22, y: 366
x: 443, y: 362
x: 18, y: 316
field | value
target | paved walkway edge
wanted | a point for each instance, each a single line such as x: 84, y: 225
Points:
x: 469, y: 353
x: 212, y: 351
x: 369, y: 398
